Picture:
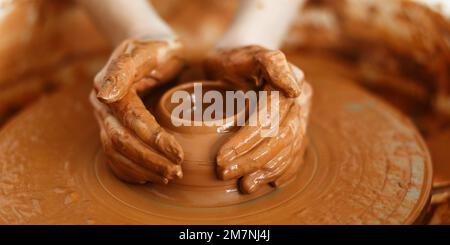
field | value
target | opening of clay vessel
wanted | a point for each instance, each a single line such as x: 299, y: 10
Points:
x: 217, y: 104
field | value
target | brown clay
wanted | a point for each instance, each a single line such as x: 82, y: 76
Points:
x: 201, y: 145
x: 71, y: 197
x: 252, y: 65
x: 138, y: 149
x: 209, y: 137
x: 258, y: 160
x: 55, y: 171
x: 124, y: 121
x: 136, y: 59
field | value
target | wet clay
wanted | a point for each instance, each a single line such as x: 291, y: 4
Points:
x: 211, y: 137
x: 139, y: 150
x: 259, y: 160
x: 202, y: 185
x: 54, y: 171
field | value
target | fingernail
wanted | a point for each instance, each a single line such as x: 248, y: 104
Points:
x: 177, y: 152
x: 248, y: 188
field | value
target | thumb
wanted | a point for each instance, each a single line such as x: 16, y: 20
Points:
x: 114, y: 81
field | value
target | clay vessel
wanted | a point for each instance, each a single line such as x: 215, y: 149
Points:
x: 201, y: 143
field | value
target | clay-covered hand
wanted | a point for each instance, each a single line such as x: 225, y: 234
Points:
x: 266, y: 160
x: 262, y: 160
x: 254, y: 65
x: 138, y: 150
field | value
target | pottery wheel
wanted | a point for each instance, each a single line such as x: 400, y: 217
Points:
x: 365, y: 163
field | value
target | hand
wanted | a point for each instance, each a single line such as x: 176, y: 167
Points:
x: 252, y: 65
x: 247, y: 154
x: 138, y: 150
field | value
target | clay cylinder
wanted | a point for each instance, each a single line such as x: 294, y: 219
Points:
x: 201, y: 139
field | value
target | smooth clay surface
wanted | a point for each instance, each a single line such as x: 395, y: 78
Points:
x: 365, y: 163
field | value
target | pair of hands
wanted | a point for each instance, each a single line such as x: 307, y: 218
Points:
x: 139, y: 150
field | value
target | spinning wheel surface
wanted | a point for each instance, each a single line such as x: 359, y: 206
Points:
x: 365, y: 163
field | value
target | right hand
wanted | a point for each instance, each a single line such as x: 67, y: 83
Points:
x: 137, y: 148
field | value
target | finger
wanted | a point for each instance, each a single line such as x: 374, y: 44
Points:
x: 264, y: 152
x: 248, y: 65
x: 277, y: 167
x: 116, y: 76
x: 142, y: 154
x: 277, y: 71
x: 233, y: 65
x: 145, y: 84
x: 271, y: 170
x: 131, y: 172
x: 123, y: 173
x: 126, y: 143
x: 136, y: 59
x: 292, y: 170
x: 238, y: 66
x: 300, y: 144
x: 100, y: 109
x: 249, y: 136
x: 135, y: 116
x: 121, y: 166
x: 99, y: 79
x: 124, y: 168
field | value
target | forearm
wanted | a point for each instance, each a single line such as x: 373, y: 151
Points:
x: 122, y: 19
x: 261, y: 22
